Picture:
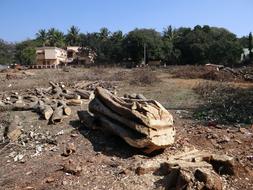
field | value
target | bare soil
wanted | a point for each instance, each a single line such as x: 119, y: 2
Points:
x: 107, y: 162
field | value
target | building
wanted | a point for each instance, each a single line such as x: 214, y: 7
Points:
x: 49, y: 57
x: 80, y: 55
x: 245, y: 54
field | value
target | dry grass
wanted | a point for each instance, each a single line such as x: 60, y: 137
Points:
x: 143, y: 77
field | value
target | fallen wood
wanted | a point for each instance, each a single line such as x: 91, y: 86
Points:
x: 189, y: 170
x: 66, y: 109
x: 98, y: 108
x: 150, y: 113
x: 83, y: 93
x: 45, y: 110
x: 56, y: 89
x: 143, y: 124
x: 57, y: 115
x: 70, y: 96
x: 86, y: 119
x: 74, y: 102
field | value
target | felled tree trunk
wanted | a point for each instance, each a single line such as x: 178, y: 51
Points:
x: 143, y: 124
x: 83, y: 93
x: 74, y: 102
x: 148, y: 112
x: 45, y: 110
x: 66, y: 109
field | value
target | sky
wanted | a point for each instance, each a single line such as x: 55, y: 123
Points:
x: 21, y: 19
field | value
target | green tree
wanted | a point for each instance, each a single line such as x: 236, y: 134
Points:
x: 104, y: 33
x: 7, y: 51
x: 72, y: 37
x: 55, y: 38
x: 116, y: 52
x: 42, y: 37
x: 171, y: 54
x: 25, y: 52
x: 208, y: 44
x: 135, y: 41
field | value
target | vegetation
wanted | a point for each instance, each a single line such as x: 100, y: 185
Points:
x: 224, y: 103
x: 200, y: 45
x: 7, y: 51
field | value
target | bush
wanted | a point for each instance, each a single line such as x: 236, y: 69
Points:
x: 143, y: 77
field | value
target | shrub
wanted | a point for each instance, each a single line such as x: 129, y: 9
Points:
x: 143, y: 77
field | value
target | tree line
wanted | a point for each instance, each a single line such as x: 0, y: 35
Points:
x: 198, y: 45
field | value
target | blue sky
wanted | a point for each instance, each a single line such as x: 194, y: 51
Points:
x: 21, y: 19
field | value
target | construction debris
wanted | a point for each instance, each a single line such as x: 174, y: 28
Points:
x: 143, y: 124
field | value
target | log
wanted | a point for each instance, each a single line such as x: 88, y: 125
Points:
x: 150, y: 112
x: 23, y: 106
x: 57, y: 115
x: 70, y: 96
x: 96, y: 107
x: 74, y: 102
x: 66, y: 109
x: 133, y: 138
x: 46, y: 111
x: 56, y: 89
x: 86, y: 119
x: 83, y: 93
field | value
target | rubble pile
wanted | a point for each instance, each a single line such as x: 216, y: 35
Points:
x: 143, y: 124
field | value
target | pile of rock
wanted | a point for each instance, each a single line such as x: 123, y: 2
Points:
x: 143, y: 124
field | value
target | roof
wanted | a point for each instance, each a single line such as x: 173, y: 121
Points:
x: 48, y: 47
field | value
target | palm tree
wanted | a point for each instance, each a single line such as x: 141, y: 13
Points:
x: 55, y: 37
x: 104, y: 33
x: 42, y: 36
x: 73, y: 37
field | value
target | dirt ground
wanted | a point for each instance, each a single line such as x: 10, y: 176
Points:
x: 107, y: 162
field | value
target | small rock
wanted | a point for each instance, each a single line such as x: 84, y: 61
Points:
x: 12, y: 154
x: 72, y: 167
x: 19, y: 157
x: 69, y: 149
x: 64, y: 182
x: 243, y: 130
x: 49, y: 180
x: 225, y: 139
